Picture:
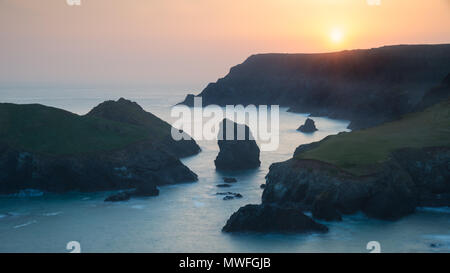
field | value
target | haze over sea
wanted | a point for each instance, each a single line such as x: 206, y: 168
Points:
x: 189, y: 217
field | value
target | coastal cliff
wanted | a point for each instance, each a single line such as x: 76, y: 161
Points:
x: 385, y: 171
x: 368, y: 87
x: 116, y: 146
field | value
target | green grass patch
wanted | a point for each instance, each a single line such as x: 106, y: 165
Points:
x: 48, y: 130
x: 362, y: 152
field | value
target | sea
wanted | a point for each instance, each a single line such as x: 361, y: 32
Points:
x: 189, y: 217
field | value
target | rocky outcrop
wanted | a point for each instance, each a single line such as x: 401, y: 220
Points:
x: 413, y: 177
x: 230, y: 195
x: 142, y: 190
x: 308, y: 127
x: 229, y: 180
x: 368, y: 87
x: 238, y: 149
x: 270, y: 218
x: 116, y: 146
x: 130, y: 112
x: 119, y: 197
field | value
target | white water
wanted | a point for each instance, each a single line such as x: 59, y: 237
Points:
x: 189, y: 217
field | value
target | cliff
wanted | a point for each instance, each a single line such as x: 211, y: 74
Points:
x: 368, y: 87
x: 385, y: 171
x: 54, y: 150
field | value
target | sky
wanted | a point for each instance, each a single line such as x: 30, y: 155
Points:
x: 189, y: 43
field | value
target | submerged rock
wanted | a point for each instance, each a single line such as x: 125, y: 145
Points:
x: 229, y: 180
x: 238, y: 149
x: 223, y: 185
x: 121, y: 196
x: 269, y: 218
x: 308, y: 127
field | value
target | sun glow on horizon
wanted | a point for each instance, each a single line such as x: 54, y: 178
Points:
x: 336, y: 35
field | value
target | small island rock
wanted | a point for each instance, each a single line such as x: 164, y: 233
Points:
x: 308, y: 127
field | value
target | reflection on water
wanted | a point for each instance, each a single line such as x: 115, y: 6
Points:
x: 189, y: 217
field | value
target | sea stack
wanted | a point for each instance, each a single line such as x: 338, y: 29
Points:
x: 236, y: 153
x: 308, y: 127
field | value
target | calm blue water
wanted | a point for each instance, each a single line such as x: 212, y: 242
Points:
x: 189, y: 217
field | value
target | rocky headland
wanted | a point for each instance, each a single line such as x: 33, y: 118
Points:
x: 367, y: 87
x: 115, y: 146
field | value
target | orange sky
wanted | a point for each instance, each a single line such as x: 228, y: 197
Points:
x: 192, y: 42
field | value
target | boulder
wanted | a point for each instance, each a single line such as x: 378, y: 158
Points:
x: 117, y: 197
x: 238, y: 149
x: 308, y: 127
x: 270, y: 218
x: 229, y: 180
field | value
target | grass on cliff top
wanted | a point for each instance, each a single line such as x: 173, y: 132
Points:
x: 362, y: 152
x: 48, y: 130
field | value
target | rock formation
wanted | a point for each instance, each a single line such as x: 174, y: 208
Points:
x: 308, y: 127
x: 269, y: 218
x: 116, y: 146
x: 237, y: 151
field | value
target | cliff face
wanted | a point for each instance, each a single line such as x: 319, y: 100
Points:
x: 414, y: 177
x: 53, y: 150
x: 131, y: 167
x: 367, y: 87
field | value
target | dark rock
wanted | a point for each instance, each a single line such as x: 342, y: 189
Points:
x: 412, y: 177
x: 223, y: 185
x: 324, y: 209
x: 229, y: 180
x: 240, y: 152
x: 262, y: 186
x: 229, y: 195
x: 435, y: 245
x: 268, y: 218
x: 146, y: 189
x: 308, y: 127
x: 121, y: 196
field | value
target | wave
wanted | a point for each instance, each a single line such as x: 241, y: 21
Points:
x: 26, y: 224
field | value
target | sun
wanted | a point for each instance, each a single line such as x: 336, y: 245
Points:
x: 336, y: 35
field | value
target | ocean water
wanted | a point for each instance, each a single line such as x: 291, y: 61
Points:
x: 189, y: 217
